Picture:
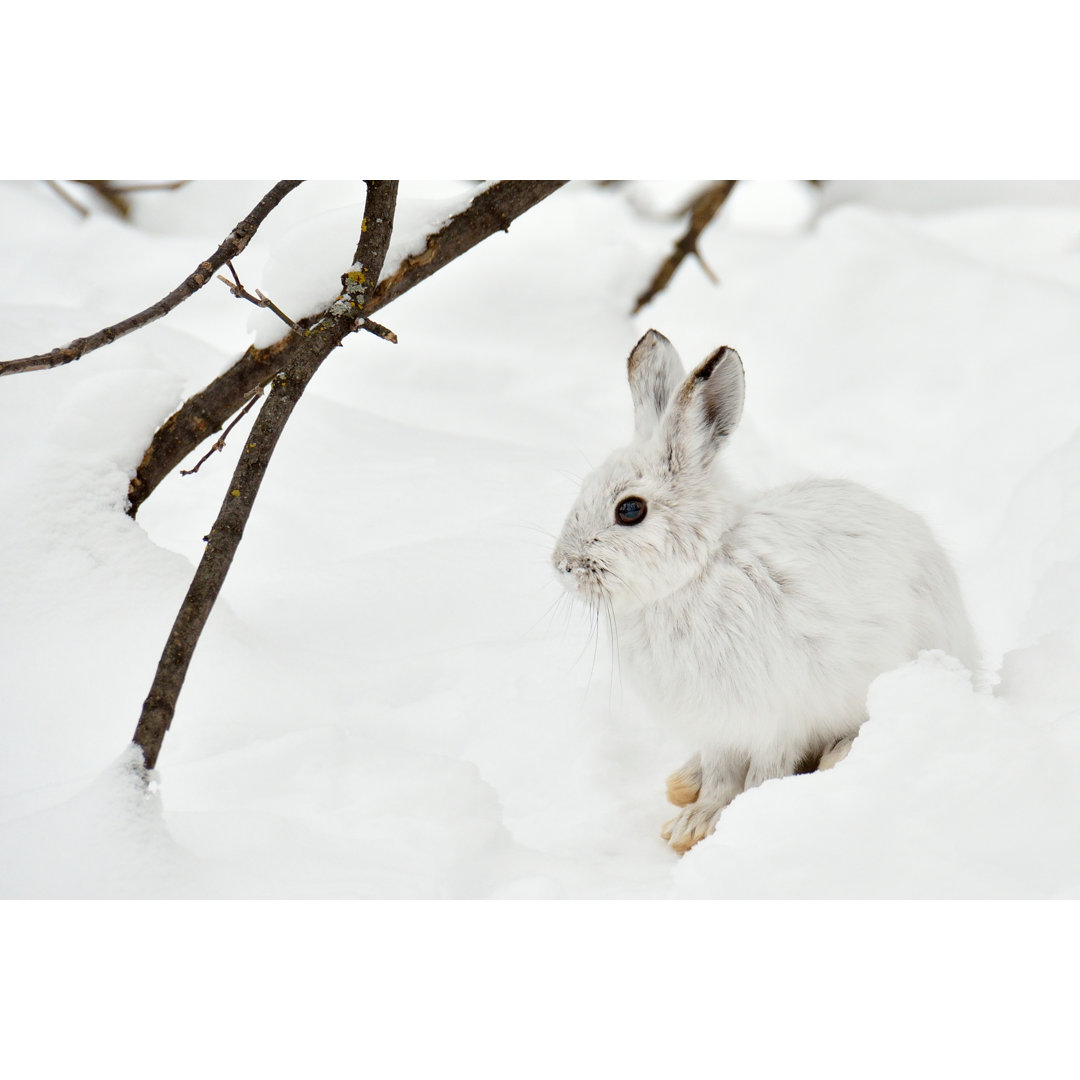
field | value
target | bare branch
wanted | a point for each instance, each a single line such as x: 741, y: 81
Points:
x: 702, y: 210
x: 303, y: 358
x: 200, y: 416
x: 233, y: 244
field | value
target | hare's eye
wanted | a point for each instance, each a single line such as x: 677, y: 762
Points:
x: 630, y: 511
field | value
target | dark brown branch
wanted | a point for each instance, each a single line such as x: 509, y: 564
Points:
x: 233, y: 244
x: 200, y: 416
x: 702, y: 210
x: 301, y: 360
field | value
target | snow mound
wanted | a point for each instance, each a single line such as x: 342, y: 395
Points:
x: 946, y: 793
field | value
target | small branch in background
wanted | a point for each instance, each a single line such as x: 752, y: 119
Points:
x: 114, y: 196
x: 68, y: 198
x: 113, y: 193
x: 230, y: 247
x: 262, y: 301
x: 703, y: 209
x: 135, y: 189
x: 220, y: 444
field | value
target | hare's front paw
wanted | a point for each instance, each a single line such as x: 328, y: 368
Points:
x: 694, y: 823
x: 684, y: 785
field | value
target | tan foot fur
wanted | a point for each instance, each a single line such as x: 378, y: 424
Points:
x: 684, y: 785
x: 692, y: 825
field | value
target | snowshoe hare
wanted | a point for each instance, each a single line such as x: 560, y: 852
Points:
x: 754, y: 624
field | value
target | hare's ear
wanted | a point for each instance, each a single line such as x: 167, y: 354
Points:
x: 707, y: 408
x: 655, y: 372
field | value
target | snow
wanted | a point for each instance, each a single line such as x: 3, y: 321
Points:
x: 391, y: 700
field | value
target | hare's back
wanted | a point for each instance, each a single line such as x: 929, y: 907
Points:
x: 844, y: 554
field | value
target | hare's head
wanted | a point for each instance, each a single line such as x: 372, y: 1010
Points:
x: 648, y: 520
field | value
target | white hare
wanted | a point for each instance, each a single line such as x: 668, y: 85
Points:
x: 755, y: 624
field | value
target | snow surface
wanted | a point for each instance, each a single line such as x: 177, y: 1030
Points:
x: 389, y: 699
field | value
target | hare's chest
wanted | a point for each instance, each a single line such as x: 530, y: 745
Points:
x: 711, y: 644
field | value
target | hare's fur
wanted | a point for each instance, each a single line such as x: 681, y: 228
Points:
x: 755, y: 624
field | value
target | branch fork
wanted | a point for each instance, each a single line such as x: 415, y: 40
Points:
x: 259, y: 300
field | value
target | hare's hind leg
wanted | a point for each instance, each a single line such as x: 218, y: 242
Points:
x: 684, y: 785
x: 835, y: 753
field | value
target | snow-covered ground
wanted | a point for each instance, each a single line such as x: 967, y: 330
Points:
x: 389, y: 701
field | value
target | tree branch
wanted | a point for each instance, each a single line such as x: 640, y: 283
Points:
x: 300, y: 360
x: 233, y: 244
x: 702, y: 210
x: 203, y: 414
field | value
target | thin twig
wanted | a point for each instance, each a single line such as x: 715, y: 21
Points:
x: 261, y: 300
x: 235, y: 276
x: 307, y: 353
x: 372, y: 327
x: 702, y: 210
x: 233, y: 244
x: 266, y: 302
x: 220, y: 444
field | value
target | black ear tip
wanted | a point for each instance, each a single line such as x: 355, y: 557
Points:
x: 724, y: 355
